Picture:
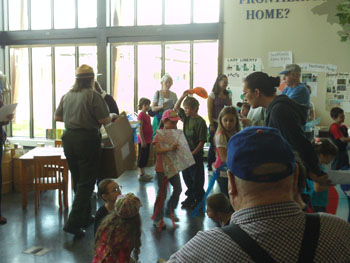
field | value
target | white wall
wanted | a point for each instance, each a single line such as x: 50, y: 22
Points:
x: 310, y: 31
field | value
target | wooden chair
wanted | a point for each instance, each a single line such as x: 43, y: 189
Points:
x: 50, y: 174
x: 58, y: 143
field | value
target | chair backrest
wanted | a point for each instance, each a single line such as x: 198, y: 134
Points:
x: 48, y: 170
x: 58, y: 143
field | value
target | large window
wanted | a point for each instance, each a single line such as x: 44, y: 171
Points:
x: 34, y: 84
x: 177, y: 63
x: 178, y: 37
x: 64, y: 14
x: 168, y: 12
x: 20, y: 90
x: 40, y: 14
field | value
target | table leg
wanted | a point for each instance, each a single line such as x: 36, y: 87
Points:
x: 24, y: 184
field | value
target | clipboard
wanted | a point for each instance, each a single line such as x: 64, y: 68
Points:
x: 7, y: 110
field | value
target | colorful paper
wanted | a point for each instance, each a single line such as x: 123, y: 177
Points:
x: 181, y: 158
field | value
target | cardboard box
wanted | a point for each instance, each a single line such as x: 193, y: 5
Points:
x: 121, y: 156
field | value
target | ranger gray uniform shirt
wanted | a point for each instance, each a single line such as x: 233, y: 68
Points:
x: 82, y: 109
x: 278, y: 229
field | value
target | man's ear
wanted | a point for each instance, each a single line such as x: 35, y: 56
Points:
x: 232, y: 189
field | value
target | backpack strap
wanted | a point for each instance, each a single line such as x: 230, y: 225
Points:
x: 247, y: 244
x: 258, y: 254
x: 310, y: 239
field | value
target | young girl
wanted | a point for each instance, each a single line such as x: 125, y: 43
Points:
x: 326, y: 151
x: 108, y: 190
x: 219, y: 209
x: 217, y: 100
x: 120, y: 232
x: 144, y: 138
x: 169, y: 119
x: 228, y: 126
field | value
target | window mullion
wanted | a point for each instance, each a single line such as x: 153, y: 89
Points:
x: 135, y: 77
x: 53, y: 75
x: 31, y: 106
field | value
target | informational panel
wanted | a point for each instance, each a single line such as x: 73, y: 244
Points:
x: 338, y: 91
x: 310, y: 79
x: 236, y: 70
x: 280, y: 58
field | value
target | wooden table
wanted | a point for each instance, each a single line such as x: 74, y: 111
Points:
x: 27, y: 160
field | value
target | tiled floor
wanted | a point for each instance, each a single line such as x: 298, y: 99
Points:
x: 24, y: 230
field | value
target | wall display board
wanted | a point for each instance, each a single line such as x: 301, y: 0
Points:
x: 280, y: 58
x: 236, y: 70
x: 338, y: 91
x: 311, y: 80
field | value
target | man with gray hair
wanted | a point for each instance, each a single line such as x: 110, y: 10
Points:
x: 295, y: 90
x: 268, y: 226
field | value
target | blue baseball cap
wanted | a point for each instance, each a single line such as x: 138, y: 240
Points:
x: 255, y: 146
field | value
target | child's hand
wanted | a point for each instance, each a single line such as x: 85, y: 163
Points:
x: 174, y: 146
x: 186, y: 92
x: 143, y: 144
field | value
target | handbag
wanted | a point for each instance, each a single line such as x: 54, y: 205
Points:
x: 150, y: 111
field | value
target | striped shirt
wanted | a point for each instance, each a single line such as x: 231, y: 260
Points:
x: 277, y: 228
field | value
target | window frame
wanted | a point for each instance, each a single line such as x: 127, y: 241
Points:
x: 104, y: 36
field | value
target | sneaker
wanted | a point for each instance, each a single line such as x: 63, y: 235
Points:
x: 145, y: 178
x: 187, y: 203
x: 156, y: 224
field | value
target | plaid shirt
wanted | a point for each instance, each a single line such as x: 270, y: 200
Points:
x: 278, y: 228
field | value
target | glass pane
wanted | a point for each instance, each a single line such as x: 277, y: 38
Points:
x: 175, y: 7
x: 18, y: 16
x: 177, y: 64
x: 64, y: 73
x: 149, y: 12
x: 64, y: 14
x: 205, y: 70
x: 122, y: 13
x: 149, y: 70
x: 88, y: 56
x: 87, y: 13
x: 123, y: 77
x: 41, y: 14
x: 20, y: 90
x: 206, y: 11
x: 42, y: 91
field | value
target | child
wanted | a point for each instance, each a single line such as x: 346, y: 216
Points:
x: 108, y: 190
x: 228, y: 126
x: 120, y: 232
x: 245, y: 110
x: 144, y: 138
x: 169, y: 120
x: 195, y: 130
x: 340, y: 137
x: 219, y: 209
x: 326, y: 151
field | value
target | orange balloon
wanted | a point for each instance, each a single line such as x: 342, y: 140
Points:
x: 201, y: 92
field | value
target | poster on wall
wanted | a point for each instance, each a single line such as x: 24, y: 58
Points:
x: 310, y: 79
x: 280, y: 58
x: 236, y: 69
x: 321, y: 68
x: 338, y: 91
